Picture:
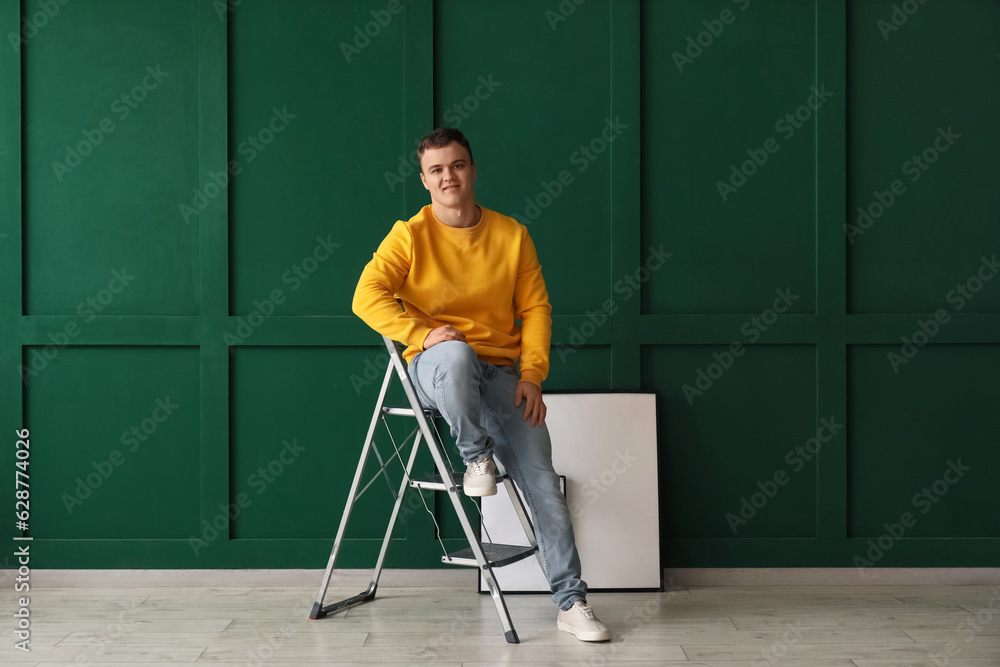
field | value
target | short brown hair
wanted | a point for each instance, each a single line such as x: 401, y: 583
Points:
x: 440, y: 138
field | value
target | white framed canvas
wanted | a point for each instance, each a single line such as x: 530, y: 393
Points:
x: 605, y: 446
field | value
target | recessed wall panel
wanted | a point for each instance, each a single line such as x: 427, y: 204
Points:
x: 735, y: 453
x: 923, y: 201
x: 110, y: 97
x: 729, y: 105
x: 115, y: 443
x: 298, y: 420
x: 918, y: 439
x: 314, y: 122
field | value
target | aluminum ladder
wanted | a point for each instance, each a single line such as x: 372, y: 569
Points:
x: 482, y: 555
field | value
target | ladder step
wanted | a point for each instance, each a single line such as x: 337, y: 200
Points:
x: 435, y: 483
x: 497, y: 555
x: 408, y: 412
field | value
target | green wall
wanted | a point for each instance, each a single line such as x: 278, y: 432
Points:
x: 188, y: 194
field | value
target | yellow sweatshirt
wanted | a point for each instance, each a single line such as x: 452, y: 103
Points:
x: 477, y: 279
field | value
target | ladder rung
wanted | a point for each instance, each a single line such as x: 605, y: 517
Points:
x: 408, y: 412
x: 497, y: 555
x: 435, y: 483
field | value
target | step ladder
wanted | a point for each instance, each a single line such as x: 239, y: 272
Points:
x: 483, y: 555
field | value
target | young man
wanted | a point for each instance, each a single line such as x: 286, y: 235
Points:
x: 464, y: 273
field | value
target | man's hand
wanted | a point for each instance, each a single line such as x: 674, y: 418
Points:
x: 441, y: 334
x: 533, y: 404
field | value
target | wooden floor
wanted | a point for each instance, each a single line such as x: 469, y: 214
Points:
x: 443, y: 621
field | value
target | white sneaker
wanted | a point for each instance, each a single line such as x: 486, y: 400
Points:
x: 479, y: 479
x: 580, y: 620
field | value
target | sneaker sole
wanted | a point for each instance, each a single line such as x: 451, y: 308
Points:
x: 582, y: 635
x: 479, y: 493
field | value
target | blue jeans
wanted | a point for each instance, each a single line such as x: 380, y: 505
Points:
x: 476, y: 398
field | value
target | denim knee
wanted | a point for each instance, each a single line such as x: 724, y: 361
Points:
x: 456, y: 354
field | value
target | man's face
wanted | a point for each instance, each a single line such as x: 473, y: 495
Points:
x: 448, y: 174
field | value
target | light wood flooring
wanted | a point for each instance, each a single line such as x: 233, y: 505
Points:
x: 440, y: 619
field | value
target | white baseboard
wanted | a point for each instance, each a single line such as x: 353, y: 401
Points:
x: 270, y: 578
x: 462, y: 577
x: 833, y: 576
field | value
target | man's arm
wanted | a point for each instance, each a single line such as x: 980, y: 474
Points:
x: 374, y: 298
x: 531, y: 306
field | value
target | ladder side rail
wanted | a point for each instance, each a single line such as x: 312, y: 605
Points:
x: 509, y: 633
x: 369, y: 593
x: 433, y: 445
x: 351, y: 497
x: 443, y: 469
x: 522, y: 516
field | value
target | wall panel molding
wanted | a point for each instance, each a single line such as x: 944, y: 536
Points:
x: 695, y: 274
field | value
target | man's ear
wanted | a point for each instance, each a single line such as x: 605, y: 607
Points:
x: 423, y: 180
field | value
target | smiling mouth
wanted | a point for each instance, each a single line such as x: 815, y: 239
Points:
x: 450, y: 187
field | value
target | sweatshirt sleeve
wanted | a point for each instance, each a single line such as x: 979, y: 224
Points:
x: 375, y: 296
x: 531, y: 306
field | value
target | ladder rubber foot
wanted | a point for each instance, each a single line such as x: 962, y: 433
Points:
x: 511, y: 636
x: 317, y: 611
